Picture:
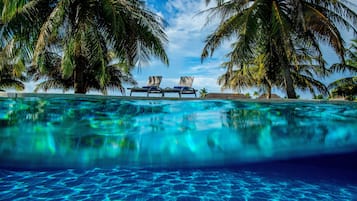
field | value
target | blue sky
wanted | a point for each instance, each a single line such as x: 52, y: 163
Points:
x: 186, y: 35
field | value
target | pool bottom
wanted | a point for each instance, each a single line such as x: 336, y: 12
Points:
x: 266, y: 181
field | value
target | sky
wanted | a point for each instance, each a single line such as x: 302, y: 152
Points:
x: 186, y: 33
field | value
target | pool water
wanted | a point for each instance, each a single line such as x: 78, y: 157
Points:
x: 94, y: 148
x: 175, y: 184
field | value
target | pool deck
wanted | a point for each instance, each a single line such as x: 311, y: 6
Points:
x: 210, y: 96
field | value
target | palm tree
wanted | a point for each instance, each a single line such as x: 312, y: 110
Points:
x: 239, y: 77
x: 255, y: 74
x: 116, y: 75
x: 85, y: 31
x: 203, y: 92
x: 11, y: 69
x: 280, y: 29
x: 9, y: 79
x: 346, y: 87
x: 14, y: 45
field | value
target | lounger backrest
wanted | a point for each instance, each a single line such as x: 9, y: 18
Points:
x: 186, y: 81
x: 154, y: 81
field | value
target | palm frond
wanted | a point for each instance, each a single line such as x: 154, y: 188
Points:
x: 11, y: 83
x: 51, y: 25
x: 52, y: 84
x: 348, y: 81
x: 338, y: 67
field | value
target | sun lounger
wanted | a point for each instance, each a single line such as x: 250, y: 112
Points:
x: 184, y: 87
x: 153, y: 86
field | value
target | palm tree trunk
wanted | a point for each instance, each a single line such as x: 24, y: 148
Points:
x: 268, y: 91
x: 79, y: 87
x: 79, y: 79
x: 289, y: 84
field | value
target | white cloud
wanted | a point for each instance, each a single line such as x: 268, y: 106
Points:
x: 186, y: 32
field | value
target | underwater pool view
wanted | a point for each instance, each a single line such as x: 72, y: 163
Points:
x: 97, y: 148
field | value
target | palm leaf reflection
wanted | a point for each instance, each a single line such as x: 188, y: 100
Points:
x: 280, y: 124
x: 20, y: 111
x: 97, y: 141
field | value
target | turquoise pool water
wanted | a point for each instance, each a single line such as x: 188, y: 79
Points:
x: 91, y: 148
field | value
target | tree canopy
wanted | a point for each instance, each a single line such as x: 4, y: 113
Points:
x: 84, y: 33
x: 288, y: 33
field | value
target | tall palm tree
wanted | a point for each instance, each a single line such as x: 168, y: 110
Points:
x: 85, y: 31
x: 280, y: 29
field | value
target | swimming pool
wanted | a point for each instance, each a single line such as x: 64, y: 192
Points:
x: 97, y: 148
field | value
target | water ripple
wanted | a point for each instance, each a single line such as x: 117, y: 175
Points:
x: 185, y: 184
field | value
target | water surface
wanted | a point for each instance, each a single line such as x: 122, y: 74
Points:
x: 89, y: 132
